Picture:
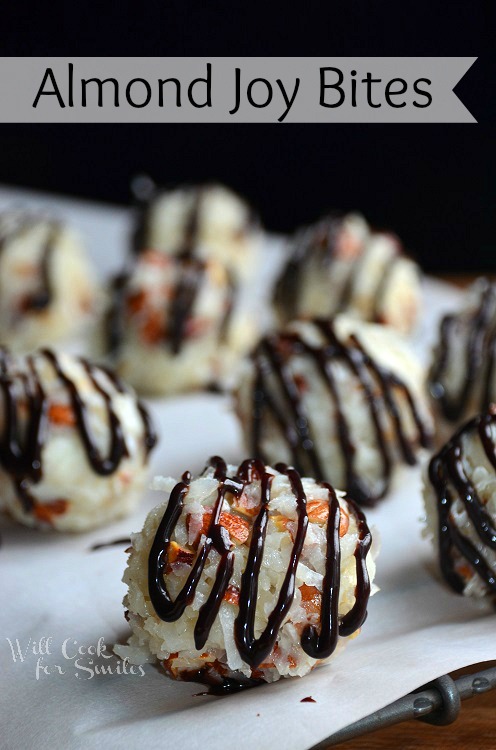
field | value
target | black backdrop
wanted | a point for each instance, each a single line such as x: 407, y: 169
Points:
x: 434, y: 184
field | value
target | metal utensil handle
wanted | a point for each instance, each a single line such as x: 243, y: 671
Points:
x: 437, y: 703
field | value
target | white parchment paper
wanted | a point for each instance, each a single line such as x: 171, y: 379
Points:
x: 61, y: 605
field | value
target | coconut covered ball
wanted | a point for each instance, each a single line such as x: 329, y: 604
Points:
x: 462, y: 379
x: 74, y: 442
x: 341, y: 400
x: 211, y: 218
x: 246, y: 574
x: 47, y: 288
x: 339, y: 265
x: 460, y: 502
x: 170, y: 328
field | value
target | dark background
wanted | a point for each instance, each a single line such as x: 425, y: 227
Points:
x: 435, y: 185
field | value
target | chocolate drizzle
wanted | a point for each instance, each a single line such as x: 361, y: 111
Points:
x: 145, y: 202
x: 183, y: 300
x: 449, y: 478
x: 190, y: 277
x: 255, y: 650
x: 317, y: 643
x: 218, y: 684
x: 318, y: 245
x: 22, y: 441
x: 44, y: 296
x: 275, y: 379
x: 314, y: 242
x: 22, y: 459
x: 191, y: 271
x: 19, y: 225
x: 479, y: 357
x: 114, y: 319
x: 124, y: 541
x: 146, y: 193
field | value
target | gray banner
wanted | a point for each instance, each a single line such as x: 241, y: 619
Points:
x: 230, y: 89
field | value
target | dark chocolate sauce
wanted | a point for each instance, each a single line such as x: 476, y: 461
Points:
x: 450, y: 481
x: 144, y: 191
x: 479, y: 358
x: 144, y: 200
x: 22, y: 440
x: 115, y: 317
x: 319, y: 643
x: 381, y: 388
x: 43, y: 296
x: 114, y: 543
x: 106, y: 464
x: 21, y: 457
x: 190, y: 278
x: 381, y: 290
x: 191, y: 270
x: 217, y: 683
x: 317, y: 244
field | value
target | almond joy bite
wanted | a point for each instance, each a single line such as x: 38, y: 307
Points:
x: 463, y: 373
x: 74, y: 442
x: 339, y: 265
x: 171, y: 326
x: 246, y: 574
x: 217, y: 221
x: 341, y: 400
x: 460, y: 502
x: 47, y: 288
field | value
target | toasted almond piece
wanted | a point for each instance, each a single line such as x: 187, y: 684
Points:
x: 464, y: 570
x: 285, y: 524
x: 61, y: 414
x: 292, y: 662
x: 270, y: 663
x: 311, y: 599
x: 344, y: 523
x: 136, y: 301
x: 280, y: 522
x: 238, y: 528
x: 178, y: 554
x: 239, y: 504
x: 318, y: 512
x: 232, y: 595
x: 266, y: 665
x: 152, y: 329
x: 45, y: 512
